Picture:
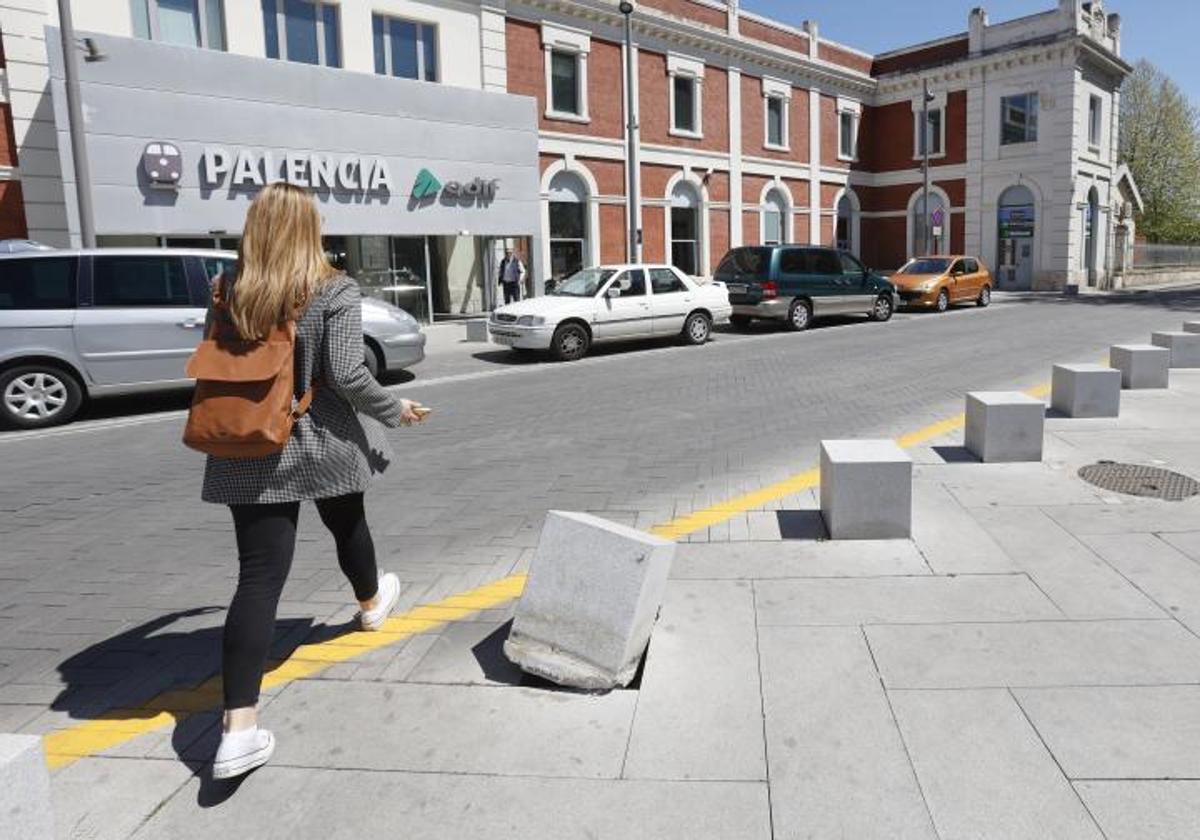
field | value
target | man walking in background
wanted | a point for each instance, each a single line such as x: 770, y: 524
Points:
x: 512, y: 276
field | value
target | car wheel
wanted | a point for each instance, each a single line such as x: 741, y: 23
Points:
x: 943, y: 301
x: 985, y: 296
x: 371, y: 359
x: 883, y: 308
x: 36, y: 396
x: 697, y: 328
x: 740, y: 321
x: 571, y: 342
x: 799, y: 316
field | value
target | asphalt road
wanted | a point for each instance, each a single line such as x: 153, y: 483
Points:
x: 102, y: 530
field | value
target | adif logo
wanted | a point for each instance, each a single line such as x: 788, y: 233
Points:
x: 163, y: 165
x: 426, y: 185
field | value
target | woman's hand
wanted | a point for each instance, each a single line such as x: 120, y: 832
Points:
x: 412, y: 412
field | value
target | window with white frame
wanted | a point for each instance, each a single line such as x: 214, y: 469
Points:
x: 848, y: 118
x: 1095, y: 112
x: 687, y: 77
x: 566, y: 52
x: 405, y: 48
x: 776, y: 99
x: 305, y: 31
x: 774, y: 219
x: 934, y: 135
x: 187, y: 23
x: 1018, y: 119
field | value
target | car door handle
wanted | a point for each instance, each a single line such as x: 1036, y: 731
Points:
x: 190, y: 323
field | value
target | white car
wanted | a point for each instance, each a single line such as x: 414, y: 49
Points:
x: 611, y: 303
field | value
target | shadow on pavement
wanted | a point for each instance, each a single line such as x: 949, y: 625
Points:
x: 802, y: 525
x: 1181, y: 299
x: 955, y: 454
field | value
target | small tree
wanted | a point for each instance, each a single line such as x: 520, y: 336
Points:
x: 1160, y: 140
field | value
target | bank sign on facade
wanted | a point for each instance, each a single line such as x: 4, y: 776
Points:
x: 244, y: 168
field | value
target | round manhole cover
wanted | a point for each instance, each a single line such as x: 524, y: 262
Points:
x: 1140, y: 480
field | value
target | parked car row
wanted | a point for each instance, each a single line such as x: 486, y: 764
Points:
x: 78, y: 324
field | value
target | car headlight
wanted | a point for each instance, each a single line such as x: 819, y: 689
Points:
x: 530, y: 321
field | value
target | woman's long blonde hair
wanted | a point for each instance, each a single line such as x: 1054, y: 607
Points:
x: 281, y: 264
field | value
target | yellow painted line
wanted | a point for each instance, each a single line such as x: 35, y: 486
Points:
x: 698, y: 520
x: 66, y: 746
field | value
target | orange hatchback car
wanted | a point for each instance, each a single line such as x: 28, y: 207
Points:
x: 940, y: 282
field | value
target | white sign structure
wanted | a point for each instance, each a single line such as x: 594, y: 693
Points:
x: 253, y: 168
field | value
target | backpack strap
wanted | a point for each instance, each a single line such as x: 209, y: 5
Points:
x: 305, y: 401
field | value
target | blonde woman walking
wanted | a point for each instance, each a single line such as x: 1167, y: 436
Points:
x: 330, y: 457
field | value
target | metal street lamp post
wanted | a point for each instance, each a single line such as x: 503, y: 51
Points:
x: 926, y: 224
x: 79, y: 159
x: 633, y: 248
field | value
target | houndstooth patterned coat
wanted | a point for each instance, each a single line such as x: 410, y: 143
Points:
x: 332, y: 450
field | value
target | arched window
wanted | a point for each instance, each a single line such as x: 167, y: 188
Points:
x: 847, y: 222
x: 937, y: 217
x: 1091, y: 224
x: 568, y: 224
x: 774, y: 219
x: 685, y: 228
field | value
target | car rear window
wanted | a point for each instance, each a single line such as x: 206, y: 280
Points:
x: 742, y: 261
x: 37, y: 283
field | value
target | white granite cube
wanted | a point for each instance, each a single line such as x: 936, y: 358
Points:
x: 1184, y: 347
x: 1141, y: 365
x: 1191, y: 326
x: 25, y: 808
x: 1005, y: 426
x: 1086, y: 390
x: 590, y: 601
x: 866, y: 489
x: 477, y: 329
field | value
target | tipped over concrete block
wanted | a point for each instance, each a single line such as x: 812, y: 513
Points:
x: 590, y: 601
x: 1005, y: 426
x: 25, y: 812
x: 1086, y: 390
x: 866, y: 489
x: 1141, y: 365
x: 1184, y: 347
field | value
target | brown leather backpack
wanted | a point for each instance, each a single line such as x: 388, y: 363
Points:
x: 243, y: 404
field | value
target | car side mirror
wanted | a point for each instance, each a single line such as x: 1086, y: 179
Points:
x: 614, y: 291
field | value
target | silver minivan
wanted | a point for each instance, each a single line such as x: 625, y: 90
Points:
x: 85, y: 323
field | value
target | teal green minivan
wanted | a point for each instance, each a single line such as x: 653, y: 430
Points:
x: 796, y: 283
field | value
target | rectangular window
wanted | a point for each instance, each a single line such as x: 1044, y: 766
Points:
x: 846, y: 140
x: 564, y: 82
x: 775, y: 121
x: 37, y: 283
x: 405, y: 48
x: 1018, y: 119
x: 684, y: 115
x: 568, y: 229
x: 305, y: 31
x: 1095, y: 109
x: 139, y: 281
x: 186, y: 23
x: 685, y: 240
x: 933, y: 133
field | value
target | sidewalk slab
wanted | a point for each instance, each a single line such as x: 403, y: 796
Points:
x: 1143, y: 810
x: 901, y: 600
x: 797, y: 559
x: 450, y: 729
x: 1042, y: 653
x: 950, y: 539
x: 1070, y: 574
x: 1157, y: 568
x: 1186, y: 541
x: 838, y: 766
x: 1147, y: 732
x: 1009, y: 787
x: 699, y: 715
x: 108, y: 798
x: 351, y: 805
x: 1135, y: 516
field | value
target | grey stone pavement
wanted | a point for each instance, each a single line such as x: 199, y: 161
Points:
x: 1026, y: 667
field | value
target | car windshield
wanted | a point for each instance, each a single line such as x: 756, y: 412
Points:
x: 926, y: 266
x: 584, y: 283
x: 745, y: 261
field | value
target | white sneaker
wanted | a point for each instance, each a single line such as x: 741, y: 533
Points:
x: 242, y: 751
x: 389, y: 594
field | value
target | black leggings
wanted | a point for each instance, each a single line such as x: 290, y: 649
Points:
x: 266, y: 539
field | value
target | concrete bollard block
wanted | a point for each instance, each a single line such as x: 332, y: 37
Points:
x: 1191, y: 326
x: 1005, y: 426
x: 1184, y: 347
x: 25, y: 811
x: 477, y: 330
x: 866, y: 489
x: 1141, y: 365
x: 1086, y: 390
x: 590, y: 601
